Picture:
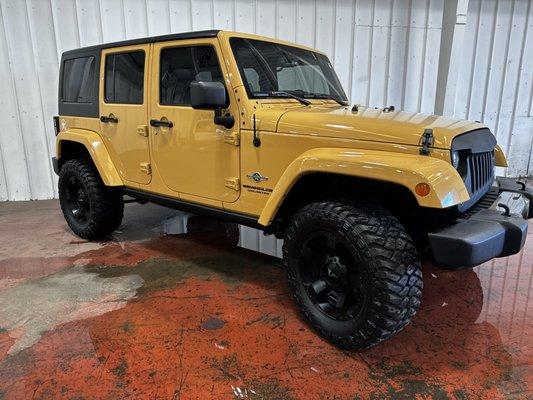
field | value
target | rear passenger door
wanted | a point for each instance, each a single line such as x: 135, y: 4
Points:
x: 124, y: 110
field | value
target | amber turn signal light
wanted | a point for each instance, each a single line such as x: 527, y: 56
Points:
x: 422, y: 189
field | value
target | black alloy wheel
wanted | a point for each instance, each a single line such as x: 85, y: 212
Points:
x: 333, y: 278
x: 77, y: 201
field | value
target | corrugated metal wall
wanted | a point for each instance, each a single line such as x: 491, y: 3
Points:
x: 385, y: 51
x: 495, y: 76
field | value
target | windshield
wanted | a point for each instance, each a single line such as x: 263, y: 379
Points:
x: 270, y: 69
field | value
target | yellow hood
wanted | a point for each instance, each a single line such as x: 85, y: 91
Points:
x: 367, y: 124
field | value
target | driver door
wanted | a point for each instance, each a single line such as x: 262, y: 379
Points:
x: 192, y: 155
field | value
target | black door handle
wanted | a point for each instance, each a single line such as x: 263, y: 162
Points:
x: 111, y: 118
x: 156, y: 123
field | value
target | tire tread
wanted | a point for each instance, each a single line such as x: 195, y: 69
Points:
x: 391, y: 258
x: 107, y: 207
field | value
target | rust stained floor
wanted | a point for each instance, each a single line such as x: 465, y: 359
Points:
x: 149, y: 315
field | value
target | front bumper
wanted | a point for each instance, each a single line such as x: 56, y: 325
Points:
x: 488, y: 233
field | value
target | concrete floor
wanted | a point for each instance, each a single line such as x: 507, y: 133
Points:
x: 151, y: 315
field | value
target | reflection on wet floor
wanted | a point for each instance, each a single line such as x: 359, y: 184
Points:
x: 150, y: 314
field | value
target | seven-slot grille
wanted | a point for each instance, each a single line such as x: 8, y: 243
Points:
x: 481, y: 167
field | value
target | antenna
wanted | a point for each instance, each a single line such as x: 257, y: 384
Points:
x: 257, y: 141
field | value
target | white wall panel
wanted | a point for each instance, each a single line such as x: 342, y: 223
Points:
x: 245, y: 16
x: 285, y: 19
x: 12, y: 147
x: 397, y: 60
x: 344, y: 28
x: 224, y: 14
x: 266, y: 18
x: 27, y: 92
x: 494, y: 79
x: 202, y: 14
x: 89, y: 21
x: 385, y: 51
x: 305, y: 22
x: 159, y: 17
x: 113, y: 21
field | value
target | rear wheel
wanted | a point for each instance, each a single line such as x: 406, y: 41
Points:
x: 91, y: 209
x: 353, y: 271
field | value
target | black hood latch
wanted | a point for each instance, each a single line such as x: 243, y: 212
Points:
x: 427, y: 140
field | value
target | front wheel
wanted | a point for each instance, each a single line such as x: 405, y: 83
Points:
x: 353, y: 271
x: 91, y: 209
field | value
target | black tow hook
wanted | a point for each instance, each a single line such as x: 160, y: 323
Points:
x: 506, y: 213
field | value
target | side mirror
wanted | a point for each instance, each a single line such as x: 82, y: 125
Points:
x: 208, y: 95
x: 212, y: 96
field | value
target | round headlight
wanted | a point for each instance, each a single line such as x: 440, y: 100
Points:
x: 455, y: 159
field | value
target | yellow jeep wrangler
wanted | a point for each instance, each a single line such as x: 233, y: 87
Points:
x: 258, y: 131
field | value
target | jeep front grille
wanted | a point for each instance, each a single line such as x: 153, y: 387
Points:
x: 481, y: 170
x: 476, y: 163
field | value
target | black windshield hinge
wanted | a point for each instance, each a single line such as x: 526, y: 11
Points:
x: 427, y: 140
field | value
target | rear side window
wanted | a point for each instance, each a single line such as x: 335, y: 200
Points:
x: 78, y: 78
x: 124, y: 78
x: 182, y: 65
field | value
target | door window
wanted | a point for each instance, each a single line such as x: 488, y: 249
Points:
x: 182, y: 65
x: 124, y: 78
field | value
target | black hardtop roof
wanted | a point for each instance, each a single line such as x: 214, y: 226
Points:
x: 150, y: 39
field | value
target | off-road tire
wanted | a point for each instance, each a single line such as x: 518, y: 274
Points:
x: 389, y: 258
x: 106, y: 206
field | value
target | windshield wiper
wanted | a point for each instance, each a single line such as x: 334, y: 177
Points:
x: 327, y: 97
x: 289, y: 94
